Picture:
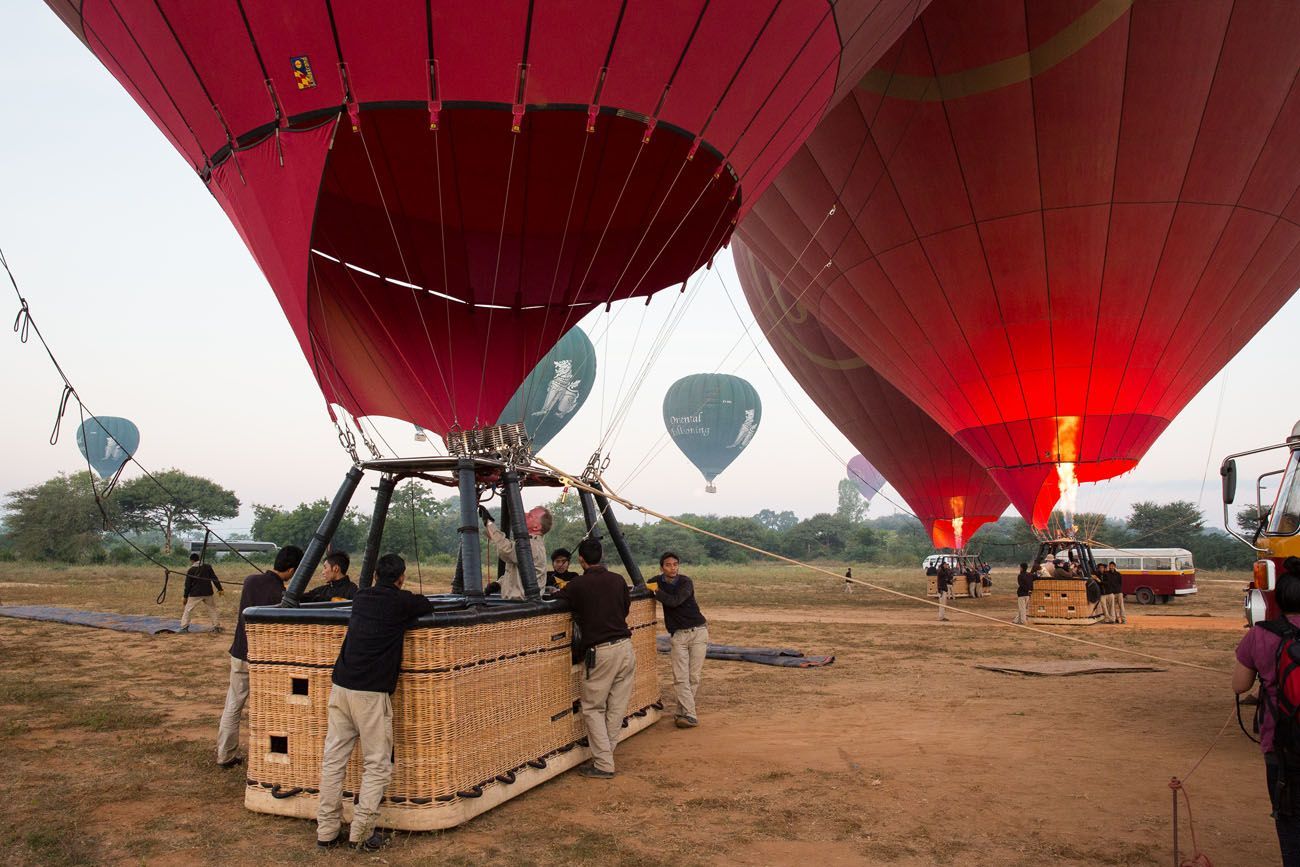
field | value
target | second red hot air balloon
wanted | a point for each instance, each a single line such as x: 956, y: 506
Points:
x: 1056, y: 221
x: 951, y: 494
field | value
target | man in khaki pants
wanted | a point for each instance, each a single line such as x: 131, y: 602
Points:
x: 264, y: 589
x: 600, y: 601
x: 690, y: 635
x: 361, y: 703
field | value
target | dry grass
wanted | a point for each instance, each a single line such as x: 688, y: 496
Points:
x: 900, y: 753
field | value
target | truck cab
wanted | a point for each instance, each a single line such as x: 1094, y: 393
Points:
x: 1278, y: 534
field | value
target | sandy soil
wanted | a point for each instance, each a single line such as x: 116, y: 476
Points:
x: 900, y: 753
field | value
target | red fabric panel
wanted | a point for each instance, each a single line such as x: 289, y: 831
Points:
x: 215, y: 39
x: 1056, y: 257
x: 387, y: 350
x: 387, y: 52
x: 160, y: 79
x: 272, y: 205
x: 936, y: 477
x: 284, y: 31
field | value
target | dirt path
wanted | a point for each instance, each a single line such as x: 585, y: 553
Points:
x: 900, y: 753
x: 923, y: 618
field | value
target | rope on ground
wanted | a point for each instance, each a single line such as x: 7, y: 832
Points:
x: 1176, y: 785
x: 571, y: 481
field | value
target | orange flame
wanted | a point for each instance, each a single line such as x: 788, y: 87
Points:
x: 956, y: 508
x: 1068, y: 484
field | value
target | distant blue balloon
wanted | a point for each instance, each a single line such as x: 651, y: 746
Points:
x: 107, y: 442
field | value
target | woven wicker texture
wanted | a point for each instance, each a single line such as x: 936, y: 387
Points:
x: 1060, y: 597
x: 472, y: 702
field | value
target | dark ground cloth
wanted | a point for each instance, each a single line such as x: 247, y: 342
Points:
x: 98, y: 619
x: 785, y: 657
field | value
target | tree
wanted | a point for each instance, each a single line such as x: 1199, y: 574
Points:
x: 778, y: 521
x: 1248, y: 519
x: 176, y: 501
x: 1167, y: 525
x: 852, y: 507
x: 56, y: 520
x: 297, y: 526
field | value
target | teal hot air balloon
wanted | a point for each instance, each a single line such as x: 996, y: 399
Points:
x: 712, y: 417
x: 107, y: 442
x: 556, y: 389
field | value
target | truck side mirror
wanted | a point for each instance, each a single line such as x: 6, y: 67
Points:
x: 1228, y: 472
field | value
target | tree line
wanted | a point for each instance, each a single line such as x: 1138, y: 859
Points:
x: 59, y: 520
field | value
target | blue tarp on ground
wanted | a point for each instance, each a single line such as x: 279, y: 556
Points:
x: 98, y: 619
x: 785, y: 657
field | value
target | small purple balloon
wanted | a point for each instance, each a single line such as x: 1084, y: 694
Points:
x: 865, y: 476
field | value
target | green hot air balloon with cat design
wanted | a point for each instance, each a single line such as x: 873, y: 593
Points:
x: 556, y: 389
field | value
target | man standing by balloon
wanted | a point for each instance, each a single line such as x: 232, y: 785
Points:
x: 600, y: 602
x: 689, y: 636
x: 264, y: 589
x: 199, y: 581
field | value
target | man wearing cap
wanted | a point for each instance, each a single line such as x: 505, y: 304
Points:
x: 539, y: 524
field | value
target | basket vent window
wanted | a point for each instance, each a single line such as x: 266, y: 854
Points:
x: 299, y: 685
x: 577, y: 707
x: 280, y: 744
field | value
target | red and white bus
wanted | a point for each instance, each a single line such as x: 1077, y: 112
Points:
x: 1152, y: 574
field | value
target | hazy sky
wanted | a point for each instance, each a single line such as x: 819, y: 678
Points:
x: 159, y: 314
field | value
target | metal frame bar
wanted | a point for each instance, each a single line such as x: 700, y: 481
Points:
x: 469, y: 565
x: 383, y: 497
x: 616, y: 535
x: 513, y: 499
x: 590, y: 516
x: 316, y: 547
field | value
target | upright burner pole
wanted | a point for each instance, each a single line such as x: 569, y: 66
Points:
x: 469, y: 567
x: 383, y: 496
x: 589, y: 515
x: 519, y: 530
x: 316, y: 547
x: 616, y: 533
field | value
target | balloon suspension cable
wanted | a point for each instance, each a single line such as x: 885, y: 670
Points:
x: 24, y: 325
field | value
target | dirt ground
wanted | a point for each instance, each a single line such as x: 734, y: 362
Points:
x: 900, y: 753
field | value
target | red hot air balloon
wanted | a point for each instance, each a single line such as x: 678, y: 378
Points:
x: 437, y: 189
x: 1056, y: 221
x: 951, y: 494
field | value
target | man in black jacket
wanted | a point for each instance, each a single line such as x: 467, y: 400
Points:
x: 199, y: 581
x: 943, y: 583
x: 689, y: 635
x: 361, y: 703
x: 1024, y: 589
x: 600, y: 602
x: 264, y: 589
x: 338, y: 587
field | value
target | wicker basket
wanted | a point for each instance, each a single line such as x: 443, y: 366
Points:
x: 959, y: 588
x: 1061, y: 600
x: 482, y: 712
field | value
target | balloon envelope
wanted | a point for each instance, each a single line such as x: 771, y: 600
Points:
x: 437, y: 193
x: 107, y: 442
x: 556, y: 389
x: 1055, y: 221
x: 712, y: 417
x: 944, y: 486
x: 865, y: 477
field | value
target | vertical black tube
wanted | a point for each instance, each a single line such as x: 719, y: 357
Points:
x: 519, y: 530
x: 383, y: 496
x: 471, y: 560
x: 616, y: 533
x: 589, y: 515
x: 458, y: 580
x: 316, y: 547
